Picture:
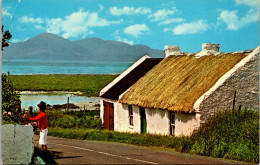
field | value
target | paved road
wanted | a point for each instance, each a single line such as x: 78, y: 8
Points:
x: 68, y: 151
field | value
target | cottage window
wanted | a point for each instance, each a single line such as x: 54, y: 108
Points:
x: 130, y: 108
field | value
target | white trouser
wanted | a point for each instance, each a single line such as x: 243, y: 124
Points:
x: 43, y: 136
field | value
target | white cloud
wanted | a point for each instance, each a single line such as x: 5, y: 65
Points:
x: 118, y: 38
x: 165, y: 16
x: 129, y: 10
x: 40, y: 27
x: 137, y: 29
x: 77, y: 24
x: 37, y: 23
x: 171, y: 20
x: 5, y: 12
x: 252, y: 3
x: 190, y: 28
x: 166, y: 29
x: 162, y: 14
x: 232, y: 20
x: 101, y: 8
x: 17, y: 40
x: 26, y: 19
x: 54, y: 25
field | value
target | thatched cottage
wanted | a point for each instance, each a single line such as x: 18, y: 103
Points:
x: 183, y: 90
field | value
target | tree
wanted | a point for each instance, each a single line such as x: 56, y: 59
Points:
x: 11, y: 103
x: 6, y: 36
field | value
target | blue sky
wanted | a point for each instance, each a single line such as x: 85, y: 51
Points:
x: 234, y: 24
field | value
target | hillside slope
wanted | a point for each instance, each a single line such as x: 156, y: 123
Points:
x: 49, y: 46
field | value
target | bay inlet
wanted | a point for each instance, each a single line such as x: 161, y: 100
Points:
x: 32, y: 98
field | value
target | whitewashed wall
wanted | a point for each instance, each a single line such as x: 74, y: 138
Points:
x: 245, y: 81
x: 158, y: 121
x: 102, y: 111
x: 185, y: 124
x: 122, y: 119
x: 17, y: 144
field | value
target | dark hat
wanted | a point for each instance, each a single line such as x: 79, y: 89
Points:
x: 42, y: 105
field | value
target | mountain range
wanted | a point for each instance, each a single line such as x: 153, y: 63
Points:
x: 48, y: 46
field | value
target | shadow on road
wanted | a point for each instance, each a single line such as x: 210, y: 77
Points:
x: 58, y: 155
x: 68, y: 157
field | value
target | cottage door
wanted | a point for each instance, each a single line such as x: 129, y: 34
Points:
x: 172, y: 123
x: 143, y: 120
x: 108, y: 115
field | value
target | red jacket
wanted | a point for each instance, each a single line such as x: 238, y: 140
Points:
x: 42, y: 120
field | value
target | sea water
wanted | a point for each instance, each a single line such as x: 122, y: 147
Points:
x: 33, y: 98
x: 29, y: 67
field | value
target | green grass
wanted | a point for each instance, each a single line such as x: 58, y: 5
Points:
x: 112, y: 136
x: 229, y: 135
x: 90, y: 85
x: 226, y: 135
x: 78, y: 119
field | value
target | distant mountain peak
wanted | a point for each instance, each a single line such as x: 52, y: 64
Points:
x: 50, y: 46
x: 47, y: 35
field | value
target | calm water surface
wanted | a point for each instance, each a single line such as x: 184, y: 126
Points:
x: 32, y: 99
x: 28, y: 67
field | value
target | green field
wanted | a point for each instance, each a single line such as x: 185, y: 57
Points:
x: 89, y: 85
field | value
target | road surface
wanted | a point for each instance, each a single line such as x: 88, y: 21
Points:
x: 68, y: 151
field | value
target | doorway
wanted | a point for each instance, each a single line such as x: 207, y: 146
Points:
x: 108, y: 115
x: 143, y: 120
x: 172, y: 123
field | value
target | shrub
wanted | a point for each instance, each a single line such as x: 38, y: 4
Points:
x: 78, y: 119
x: 11, y: 103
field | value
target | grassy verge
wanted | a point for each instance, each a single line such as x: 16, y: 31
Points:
x: 226, y: 135
x: 229, y: 135
x: 78, y: 119
x: 112, y: 136
x: 90, y: 85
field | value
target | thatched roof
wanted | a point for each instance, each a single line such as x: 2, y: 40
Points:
x: 178, y: 81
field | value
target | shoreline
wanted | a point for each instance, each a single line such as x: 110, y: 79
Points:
x: 90, y: 105
x: 48, y: 74
x: 78, y: 93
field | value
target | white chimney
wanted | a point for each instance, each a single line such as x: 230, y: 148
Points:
x: 208, y: 49
x: 171, y: 50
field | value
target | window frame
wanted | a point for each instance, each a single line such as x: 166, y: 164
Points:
x: 131, y: 115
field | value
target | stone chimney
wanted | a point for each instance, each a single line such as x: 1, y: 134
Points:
x: 208, y: 49
x: 171, y: 50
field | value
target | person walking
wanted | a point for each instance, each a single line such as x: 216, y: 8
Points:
x: 42, y: 124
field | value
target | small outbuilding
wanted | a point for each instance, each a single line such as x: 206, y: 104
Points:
x: 178, y: 94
